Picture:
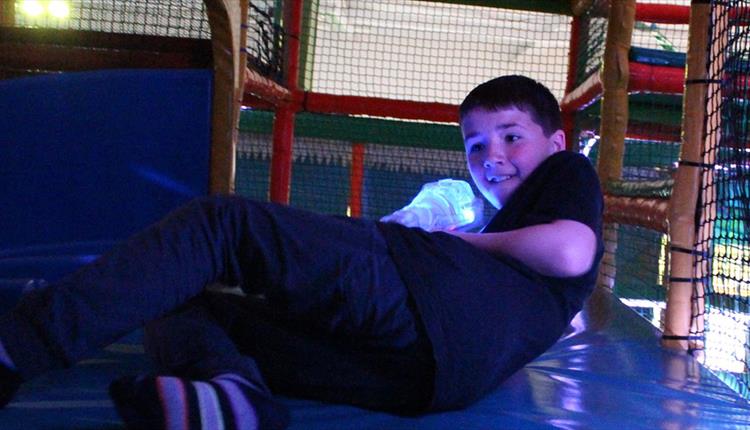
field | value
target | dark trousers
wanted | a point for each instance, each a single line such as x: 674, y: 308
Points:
x: 327, y: 315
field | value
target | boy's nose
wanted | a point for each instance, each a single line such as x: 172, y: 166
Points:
x: 495, y: 156
x: 489, y: 164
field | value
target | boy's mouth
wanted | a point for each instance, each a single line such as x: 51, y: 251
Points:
x: 498, y: 179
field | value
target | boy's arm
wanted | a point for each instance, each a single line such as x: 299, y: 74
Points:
x: 562, y: 248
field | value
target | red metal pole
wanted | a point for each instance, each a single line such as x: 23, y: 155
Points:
x: 659, y: 79
x: 643, y: 78
x: 281, y: 158
x: 283, y: 127
x: 662, y: 13
x: 356, y: 179
x: 375, y: 106
x: 357, y: 105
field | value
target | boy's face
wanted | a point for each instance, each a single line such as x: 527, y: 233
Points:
x: 503, y: 147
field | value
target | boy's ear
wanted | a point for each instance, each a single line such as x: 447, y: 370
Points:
x: 558, y: 140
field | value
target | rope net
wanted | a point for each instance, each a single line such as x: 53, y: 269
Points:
x: 636, y: 260
x: 265, y: 39
x: 421, y: 51
x: 722, y: 299
x: 591, y: 38
x: 387, y: 50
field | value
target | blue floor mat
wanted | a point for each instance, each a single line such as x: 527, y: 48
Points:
x: 607, y: 372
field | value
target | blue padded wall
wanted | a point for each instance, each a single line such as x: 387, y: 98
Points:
x: 97, y: 155
x: 91, y: 157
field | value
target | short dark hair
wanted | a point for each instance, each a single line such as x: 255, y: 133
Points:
x: 517, y: 91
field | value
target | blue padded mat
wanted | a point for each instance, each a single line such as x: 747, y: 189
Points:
x: 607, y: 372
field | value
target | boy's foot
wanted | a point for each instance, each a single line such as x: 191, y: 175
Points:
x: 226, y: 402
x: 10, y: 380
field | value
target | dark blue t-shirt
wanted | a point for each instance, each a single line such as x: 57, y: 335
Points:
x: 487, y: 316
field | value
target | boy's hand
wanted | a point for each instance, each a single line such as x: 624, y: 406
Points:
x: 447, y: 204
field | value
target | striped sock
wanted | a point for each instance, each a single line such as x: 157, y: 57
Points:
x: 225, y: 402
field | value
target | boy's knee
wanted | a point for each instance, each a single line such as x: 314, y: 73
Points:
x: 217, y: 200
x: 226, y: 208
x: 216, y: 203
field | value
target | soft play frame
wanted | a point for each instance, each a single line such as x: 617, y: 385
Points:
x: 81, y: 171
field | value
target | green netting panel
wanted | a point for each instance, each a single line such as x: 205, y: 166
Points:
x: 425, y: 51
x: 361, y: 129
x: 645, y: 160
x: 177, y: 18
x: 642, y: 269
x: 592, y: 36
x: 663, y: 112
x: 724, y: 212
x: 650, y: 160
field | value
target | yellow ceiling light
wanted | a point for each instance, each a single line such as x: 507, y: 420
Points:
x: 32, y: 8
x: 58, y: 9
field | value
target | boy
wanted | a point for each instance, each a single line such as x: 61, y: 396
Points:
x: 342, y: 310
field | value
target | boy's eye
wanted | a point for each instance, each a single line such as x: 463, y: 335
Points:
x: 510, y: 138
x: 476, y: 147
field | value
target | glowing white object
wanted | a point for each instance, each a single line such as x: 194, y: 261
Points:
x: 468, y: 214
x: 447, y: 204
x: 59, y: 9
x: 32, y: 8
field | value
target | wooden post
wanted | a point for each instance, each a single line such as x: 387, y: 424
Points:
x: 226, y: 18
x: 615, y: 74
x: 685, y: 307
x: 7, y: 13
x: 614, y: 122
